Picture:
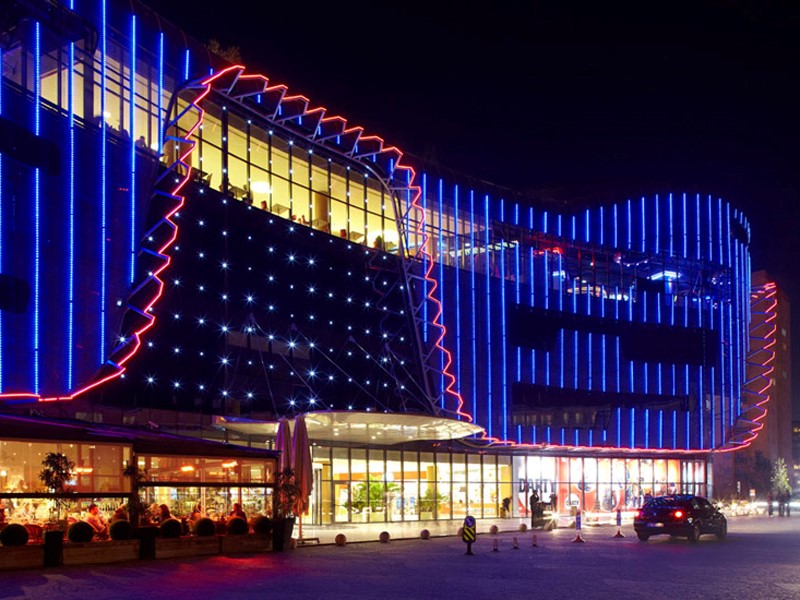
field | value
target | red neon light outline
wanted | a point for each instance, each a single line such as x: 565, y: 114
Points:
x: 769, y: 291
x: 136, y: 335
x: 420, y: 230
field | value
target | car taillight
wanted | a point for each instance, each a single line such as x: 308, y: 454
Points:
x: 641, y: 514
x: 678, y: 514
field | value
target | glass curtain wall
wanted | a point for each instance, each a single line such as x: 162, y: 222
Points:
x: 376, y: 485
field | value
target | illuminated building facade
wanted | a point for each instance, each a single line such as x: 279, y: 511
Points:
x: 179, y: 233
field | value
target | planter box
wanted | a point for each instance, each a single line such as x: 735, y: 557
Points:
x: 21, y: 557
x: 187, y: 546
x: 240, y: 544
x: 96, y: 553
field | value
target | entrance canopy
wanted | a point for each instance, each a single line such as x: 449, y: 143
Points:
x: 362, y: 427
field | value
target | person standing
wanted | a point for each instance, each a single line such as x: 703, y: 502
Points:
x: 534, y: 504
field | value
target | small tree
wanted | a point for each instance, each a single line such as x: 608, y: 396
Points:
x: 232, y: 54
x: 56, y: 471
x: 780, y: 478
x: 136, y: 506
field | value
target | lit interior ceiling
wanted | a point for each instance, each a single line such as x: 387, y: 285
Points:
x: 361, y: 427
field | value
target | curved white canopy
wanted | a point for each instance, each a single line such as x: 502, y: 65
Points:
x: 362, y: 427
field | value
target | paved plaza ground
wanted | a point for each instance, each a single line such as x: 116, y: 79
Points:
x: 759, y: 560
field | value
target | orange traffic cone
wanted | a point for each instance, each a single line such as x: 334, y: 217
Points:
x: 533, y: 542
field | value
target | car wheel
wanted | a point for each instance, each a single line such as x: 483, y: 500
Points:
x: 694, y: 533
x: 643, y: 537
x: 722, y: 532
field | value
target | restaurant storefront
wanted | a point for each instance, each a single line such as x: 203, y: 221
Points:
x: 179, y: 472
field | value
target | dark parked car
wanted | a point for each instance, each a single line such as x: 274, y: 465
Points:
x: 679, y: 515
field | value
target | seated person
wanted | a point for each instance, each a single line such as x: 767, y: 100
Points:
x: 98, y: 522
x: 121, y: 514
x: 238, y: 512
x: 196, y: 514
x: 163, y: 513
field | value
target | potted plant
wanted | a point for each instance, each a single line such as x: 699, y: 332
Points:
x: 285, y: 505
x: 56, y: 471
x: 429, y: 503
x: 136, y: 507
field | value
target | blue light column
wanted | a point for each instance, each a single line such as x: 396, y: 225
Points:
x: 133, y: 235
x: 37, y: 58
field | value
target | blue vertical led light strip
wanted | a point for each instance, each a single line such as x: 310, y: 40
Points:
x: 658, y: 364
x: 133, y: 147
x: 710, y: 232
x: 474, y: 316
x: 712, y: 377
x: 503, y: 335
x: 647, y: 428
x: 103, y: 180
x: 589, y: 382
x: 722, y: 370
x: 671, y: 229
x: 561, y: 331
x: 657, y: 237
x: 674, y: 429
x: 633, y: 427
x: 2, y: 386
x: 37, y: 66
x: 731, y: 345
x: 616, y: 227
x: 517, y: 295
x: 546, y: 275
x: 688, y: 431
x: 424, y: 257
x: 602, y: 226
x: 630, y: 361
x: 603, y: 342
x: 628, y: 227
x: 618, y: 369
x: 161, y: 119
x: 587, y: 226
x: 660, y: 428
x: 487, y: 240
x: 685, y: 232
x: 644, y: 225
x: 186, y: 66
x: 440, y: 254
x: 697, y: 225
x: 71, y: 183
x: 456, y: 249
x: 619, y: 427
x: 532, y: 282
x: 719, y: 230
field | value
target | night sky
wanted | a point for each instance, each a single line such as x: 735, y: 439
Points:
x: 563, y: 98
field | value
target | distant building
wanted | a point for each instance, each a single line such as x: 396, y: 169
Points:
x: 770, y: 342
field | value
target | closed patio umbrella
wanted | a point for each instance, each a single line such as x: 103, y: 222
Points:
x: 283, y: 443
x: 303, y: 469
